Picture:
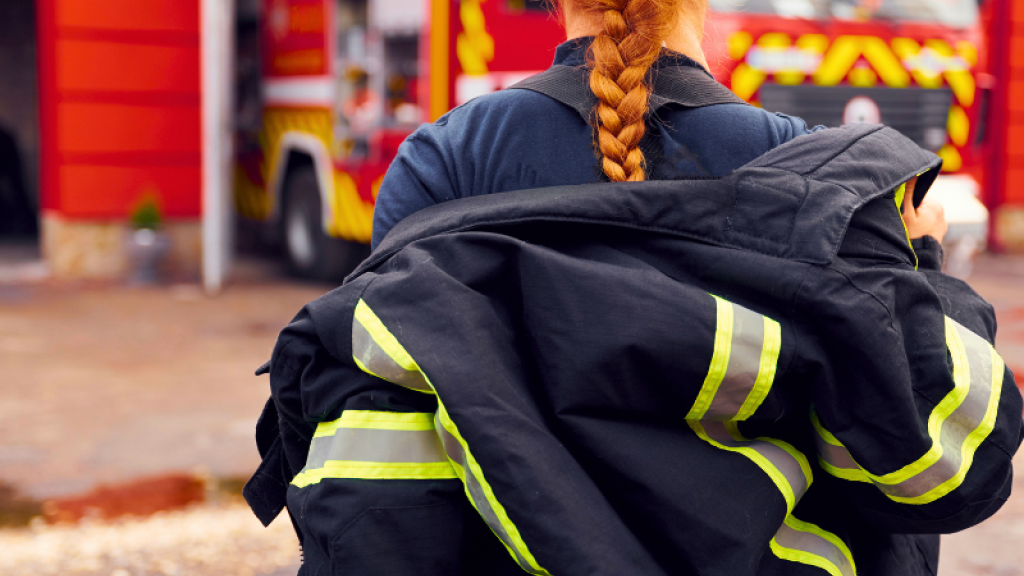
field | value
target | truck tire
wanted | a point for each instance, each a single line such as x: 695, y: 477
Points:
x: 309, y: 251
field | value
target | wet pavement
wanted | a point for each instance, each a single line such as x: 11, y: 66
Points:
x: 104, y: 383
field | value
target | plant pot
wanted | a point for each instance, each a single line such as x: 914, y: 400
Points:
x: 146, y: 251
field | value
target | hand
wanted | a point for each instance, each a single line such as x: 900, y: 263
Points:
x: 928, y: 219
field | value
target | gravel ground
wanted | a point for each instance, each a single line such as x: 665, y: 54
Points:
x: 221, y: 540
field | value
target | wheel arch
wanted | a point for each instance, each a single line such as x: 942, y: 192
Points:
x: 295, y: 150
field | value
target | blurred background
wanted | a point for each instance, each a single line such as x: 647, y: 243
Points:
x: 178, y: 177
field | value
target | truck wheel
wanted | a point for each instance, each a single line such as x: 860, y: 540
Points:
x: 310, y: 252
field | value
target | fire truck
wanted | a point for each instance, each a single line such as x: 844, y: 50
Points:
x: 345, y: 81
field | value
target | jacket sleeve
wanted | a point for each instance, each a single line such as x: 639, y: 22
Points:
x: 356, y: 459
x: 916, y: 417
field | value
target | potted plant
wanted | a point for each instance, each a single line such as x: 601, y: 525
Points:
x: 147, y: 245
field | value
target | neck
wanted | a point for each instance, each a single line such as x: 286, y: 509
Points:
x: 684, y: 38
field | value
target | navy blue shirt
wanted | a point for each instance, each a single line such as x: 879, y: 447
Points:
x: 519, y: 139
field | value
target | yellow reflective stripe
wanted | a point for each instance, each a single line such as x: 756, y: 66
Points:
x: 379, y: 420
x: 961, y: 386
x: 750, y: 451
x: 805, y: 466
x: 743, y: 364
x: 719, y: 360
x: 380, y: 334
x: 825, y: 434
x: 766, y: 372
x: 376, y: 471
x: 382, y: 355
x: 957, y: 426
x: 970, y: 445
x: 901, y: 192
x: 481, y: 495
x: 816, y: 547
x: 795, y: 540
x: 853, y: 473
x: 377, y: 445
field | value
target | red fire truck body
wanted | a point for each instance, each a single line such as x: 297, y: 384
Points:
x: 346, y: 80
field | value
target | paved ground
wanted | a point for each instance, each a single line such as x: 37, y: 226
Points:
x: 104, y: 383
x: 996, y: 547
x: 211, y: 540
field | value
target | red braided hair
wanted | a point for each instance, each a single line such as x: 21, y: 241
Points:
x: 621, y: 55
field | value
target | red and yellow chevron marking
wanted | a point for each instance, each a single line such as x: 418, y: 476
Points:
x: 846, y: 51
x: 860, y: 61
x: 251, y: 200
x: 352, y: 216
x: 474, y: 47
x: 277, y: 122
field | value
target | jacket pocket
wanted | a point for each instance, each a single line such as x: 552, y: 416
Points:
x: 398, y: 541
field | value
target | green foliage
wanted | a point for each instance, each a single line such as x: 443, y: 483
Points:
x: 147, y: 213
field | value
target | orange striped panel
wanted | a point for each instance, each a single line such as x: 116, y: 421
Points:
x: 105, y: 191
x: 89, y: 66
x: 163, y: 15
x: 1015, y: 139
x: 1014, y: 188
x: 1016, y: 95
x: 86, y: 127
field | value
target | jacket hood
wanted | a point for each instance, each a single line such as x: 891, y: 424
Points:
x: 807, y: 189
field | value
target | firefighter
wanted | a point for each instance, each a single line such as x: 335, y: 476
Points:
x: 735, y: 356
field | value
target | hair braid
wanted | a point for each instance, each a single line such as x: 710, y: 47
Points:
x: 621, y: 56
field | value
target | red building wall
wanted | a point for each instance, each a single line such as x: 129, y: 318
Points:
x: 119, y: 106
x: 1013, y: 77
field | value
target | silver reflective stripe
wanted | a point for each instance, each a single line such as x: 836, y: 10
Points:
x: 806, y: 543
x: 957, y: 426
x: 373, y: 359
x: 744, y: 364
x: 785, y: 463
x: 788, y: 469
x: 370, y: 445
x: 837, y: 456
x: 477, y: 496
x: 376, y: 445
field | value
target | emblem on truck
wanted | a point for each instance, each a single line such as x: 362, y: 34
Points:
x: 861, y: 110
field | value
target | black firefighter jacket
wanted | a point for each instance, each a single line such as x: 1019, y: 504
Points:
x: 751, y: 375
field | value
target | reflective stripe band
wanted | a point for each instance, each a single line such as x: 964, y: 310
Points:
x: 799, y: 541
x: 365, y: 445
x: 376, y: 351
x: 375, y: 471
x: 833, y: 456
x: 785, y: 465
x: 376, y: 445
x: 743, y: 364
x: 481, y: 495
x: 788, y: 468
x: 957, y: 426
